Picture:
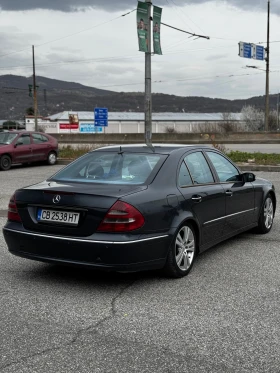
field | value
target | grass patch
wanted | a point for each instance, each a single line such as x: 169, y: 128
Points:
x: 260, y: 158
x: 69, y: 152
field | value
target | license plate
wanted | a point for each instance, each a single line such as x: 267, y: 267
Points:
x: 62, y: 217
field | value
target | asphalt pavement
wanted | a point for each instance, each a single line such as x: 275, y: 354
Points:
x: 223, y: 317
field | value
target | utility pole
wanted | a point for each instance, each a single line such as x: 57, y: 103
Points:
x: 148, y: 81
x: 35, y: 92
x: 278, y: 111
x: 266, y: 127
x: 45, y: 101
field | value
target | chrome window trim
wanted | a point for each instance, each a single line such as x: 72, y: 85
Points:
x: 84, y: 240
x: 228, y: 216
x: 196, y: 185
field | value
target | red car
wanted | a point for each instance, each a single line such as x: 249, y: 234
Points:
x: 26, y: 147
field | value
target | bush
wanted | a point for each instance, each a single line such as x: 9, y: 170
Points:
x: 253, y: 118
x: 272, y: 121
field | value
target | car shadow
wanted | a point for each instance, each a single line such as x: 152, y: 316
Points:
x: 51, y: 273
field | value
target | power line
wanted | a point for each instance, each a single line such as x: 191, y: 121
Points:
x: 104, y: 59
x: 101, y: 59
x: 271, y: 42
x: 175, y: 7
x: 188, y: 16
x: 187, y: 32
x: 189, y: 39
x: 67, y: 36
x: 138, y: 83
x: 88, y: 29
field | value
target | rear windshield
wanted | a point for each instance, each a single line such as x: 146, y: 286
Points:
x: 7, y: 138
x: 112, y: 168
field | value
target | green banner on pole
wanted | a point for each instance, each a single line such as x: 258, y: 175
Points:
x: 156, y: 29
x: 142, y: 26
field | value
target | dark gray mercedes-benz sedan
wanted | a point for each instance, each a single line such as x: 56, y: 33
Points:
x: 134, y: 207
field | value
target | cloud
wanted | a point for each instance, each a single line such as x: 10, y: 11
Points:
x: 215, y: 57
x: 118, y: 5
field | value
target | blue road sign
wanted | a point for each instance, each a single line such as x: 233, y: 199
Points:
x: 259, y: 52
x: 101, y: 117
x: 247, y: 50
x: 101, y: 123
x: 89, y: 128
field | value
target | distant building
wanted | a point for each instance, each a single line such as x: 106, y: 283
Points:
x: 129, y: 122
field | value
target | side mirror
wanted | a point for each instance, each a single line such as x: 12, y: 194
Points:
x: 18, y: 143
x: 249, y: 177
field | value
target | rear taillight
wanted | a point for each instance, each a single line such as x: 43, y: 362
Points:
x: 13, y: 214
x: 122, y: 217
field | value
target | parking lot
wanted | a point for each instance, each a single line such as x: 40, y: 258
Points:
x: 222, y: 317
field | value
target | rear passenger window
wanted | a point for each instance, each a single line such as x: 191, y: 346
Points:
x: 199, y: 169
x: 39, y: 139
x: 184, y: 176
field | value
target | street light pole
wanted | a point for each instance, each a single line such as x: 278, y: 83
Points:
x: 266, y: 127
x: 278, y: 111
x: 148, y: 81
x: 35, y: 92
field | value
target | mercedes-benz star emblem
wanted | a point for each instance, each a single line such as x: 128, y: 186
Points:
x: 56, y: 199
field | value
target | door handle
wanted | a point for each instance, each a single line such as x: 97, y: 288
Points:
x: 197, y: 198
x: 229, y: 193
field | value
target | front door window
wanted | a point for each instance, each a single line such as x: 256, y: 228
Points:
x: 225, y: 170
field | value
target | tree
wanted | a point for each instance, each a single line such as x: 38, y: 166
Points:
x: 253, y: 118
x: 228, y: 122
x: 272, y: 121
x: 29, y: 111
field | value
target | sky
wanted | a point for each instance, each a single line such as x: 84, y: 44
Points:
x: 89, y: 42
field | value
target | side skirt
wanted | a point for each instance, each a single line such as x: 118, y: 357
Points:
x: 226, y: 237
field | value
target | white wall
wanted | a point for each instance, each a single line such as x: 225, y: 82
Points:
x: 138, y: 126
x: 47, y: 127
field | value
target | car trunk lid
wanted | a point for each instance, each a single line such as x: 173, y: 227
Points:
x: 88, y: 203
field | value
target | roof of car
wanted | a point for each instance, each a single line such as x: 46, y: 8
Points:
x: 157, y: 148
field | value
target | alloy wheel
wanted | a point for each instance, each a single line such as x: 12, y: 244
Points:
x: 184, y: 248
x: 268, y: 213
x: 52, y: 158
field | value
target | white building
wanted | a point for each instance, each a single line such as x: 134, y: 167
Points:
x: 127, y: 122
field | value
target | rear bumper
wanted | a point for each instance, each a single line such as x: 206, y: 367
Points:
x: 141, y: 254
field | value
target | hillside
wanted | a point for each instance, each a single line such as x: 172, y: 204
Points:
x: 56, y: 96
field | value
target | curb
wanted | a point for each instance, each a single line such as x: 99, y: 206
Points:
x: 242, y: 166
x: 64, y: 161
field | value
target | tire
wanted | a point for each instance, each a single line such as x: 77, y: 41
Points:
x: 266, y: 216
x: 5, y: 163
x: 52, y: 158
x: 182, y: 253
